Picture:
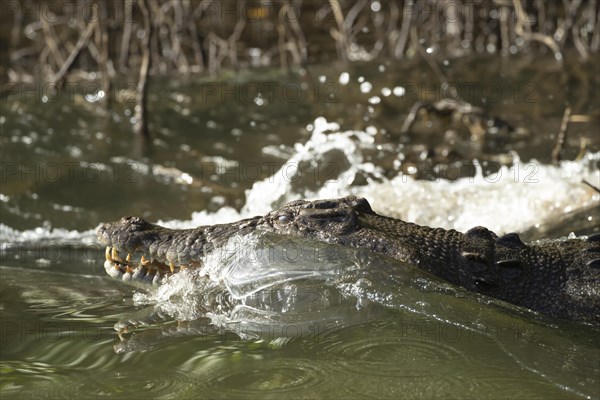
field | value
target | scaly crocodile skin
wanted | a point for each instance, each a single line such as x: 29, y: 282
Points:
x: 560, y: 278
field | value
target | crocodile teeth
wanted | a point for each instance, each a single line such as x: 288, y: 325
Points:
x: 146, y: 269
x: 112, y: 270
x: 138, y: 274
x: 126, y: 276
x: 115, y: 254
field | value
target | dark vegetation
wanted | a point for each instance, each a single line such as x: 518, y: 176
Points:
x: 52, y: 41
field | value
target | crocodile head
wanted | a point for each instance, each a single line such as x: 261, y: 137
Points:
x: 140, y: 252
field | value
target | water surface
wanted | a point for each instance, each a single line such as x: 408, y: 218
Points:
x: 345, y: 329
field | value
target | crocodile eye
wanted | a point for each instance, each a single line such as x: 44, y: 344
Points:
x: 284, y: 219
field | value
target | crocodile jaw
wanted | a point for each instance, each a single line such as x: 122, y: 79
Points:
x: 145, y: 270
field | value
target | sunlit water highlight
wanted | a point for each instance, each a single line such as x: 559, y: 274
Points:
x: 532, y: 194
x: 273, y: 300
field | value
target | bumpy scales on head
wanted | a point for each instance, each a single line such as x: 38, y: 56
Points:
x: 560, y: 278
x: 140, y: 252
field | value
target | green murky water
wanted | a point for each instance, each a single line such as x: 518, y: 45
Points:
x: 68, y: 163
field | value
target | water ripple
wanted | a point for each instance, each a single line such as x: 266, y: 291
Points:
x: 254, y: 377
x: 392, y: 354
x: 442, y: 386
x: 168, y: 383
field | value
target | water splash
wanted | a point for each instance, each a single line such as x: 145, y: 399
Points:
x: 334, y: 164
x: 273, y: 297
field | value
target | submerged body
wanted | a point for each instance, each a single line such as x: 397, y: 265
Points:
x: 559, y: 278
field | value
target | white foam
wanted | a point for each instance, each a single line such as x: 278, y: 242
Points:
x: 514, y: 199
x: 329, y: 163
x: 10, y: 236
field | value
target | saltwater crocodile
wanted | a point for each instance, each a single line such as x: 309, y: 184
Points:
x: 559, y: 278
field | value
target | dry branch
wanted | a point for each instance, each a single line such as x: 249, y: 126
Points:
x: 140, y: 126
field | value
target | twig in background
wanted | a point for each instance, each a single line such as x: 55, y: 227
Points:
x: 522, y: 29
x: 108, y: 71
x: 561, y: 137
x: 140, y: 126
x: 52, y: 43
x: 407, y: 18
x: 83, y: 40
x: 126, y: 38
x: 596, y: 188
